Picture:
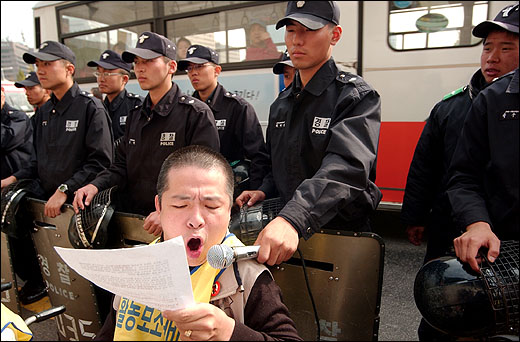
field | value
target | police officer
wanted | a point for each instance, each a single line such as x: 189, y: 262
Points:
x: 72, y: 136
x: 72, y: 142
x: 286, y: 68
x: 240, y: 133
x: 167, y: 120
x: 17, y: 147
x: 112, y: 74
x: 36, y: 95
x: 322, y: 138
x: 425, y: 204
x: 426, y: 207
x: 483, y: 190
x: 16, y: 139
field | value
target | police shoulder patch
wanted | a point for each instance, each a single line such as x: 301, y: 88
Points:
x: 86, y: 93
x: 347, y: 77
x: 189, y: 100
x: 342, y: 77
x: 455, y: 92
x: 234, y: 96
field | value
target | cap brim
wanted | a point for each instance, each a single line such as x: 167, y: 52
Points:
x: 104, y: 65
x: 308, y: 20
x: 278, y: 67
x: 25, y: 83
x: 482, y: 30
x: 129, y: 55
x: 183, y: 63
x: 31, y: 57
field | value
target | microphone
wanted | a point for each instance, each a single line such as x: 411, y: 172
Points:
x: 223, y: 256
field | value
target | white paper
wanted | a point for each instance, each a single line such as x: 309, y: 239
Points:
x: 155, y: 275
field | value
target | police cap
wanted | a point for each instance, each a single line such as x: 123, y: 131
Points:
x: 311, y: 14
x: 198, y: 54
x: 506, y: 19
x: 150, y: 45
x: 31, y: 79
x: 50, y: 51
x: 111, y: 60
x: 286, y: 60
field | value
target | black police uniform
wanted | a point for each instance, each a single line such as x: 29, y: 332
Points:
x: 119, y: 109
x: 323, y: 145
x: 240, y: 133
x: 72, y: 142
x: 425, y: 201
x: 16, y: 140
x: 485, y: 167
x: 176, y: 121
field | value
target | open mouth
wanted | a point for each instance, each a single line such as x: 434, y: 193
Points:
x: 194, y: 244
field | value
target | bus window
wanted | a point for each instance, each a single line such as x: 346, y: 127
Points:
x: 434, y: 24
x: 89, y: 28
x: 99, y: 14
x: 238, y: 35
x: 88, y: 47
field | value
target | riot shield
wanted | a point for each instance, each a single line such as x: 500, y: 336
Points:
x: 82, y: 320
x: 345, y: 273
x: 9, y: 297
x: 131, y: 229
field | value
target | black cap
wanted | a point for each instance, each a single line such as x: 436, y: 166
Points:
x: 286, y: 60
x: 311, y: 14
x: 111, y: 60
x: 31, y: 79
x: 50, y: 51
x: 506, y: 19
x: 198, y: 54
x: 150, y: 45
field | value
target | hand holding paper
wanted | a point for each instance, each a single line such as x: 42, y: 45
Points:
x: 155, y: 275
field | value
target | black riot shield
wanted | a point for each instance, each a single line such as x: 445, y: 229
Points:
x: 82, y: 320
x: 9, y: 297
x: 345, y: 273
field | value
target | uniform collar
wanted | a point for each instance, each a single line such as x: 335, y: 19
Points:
x: 513, y: 85
x: 117, y: 101
x: 320, y: 81
x: 476, y: 84
x: 62, y: 105
x: 166, y: 103
x: 7, y: 108
x: 212, y: 98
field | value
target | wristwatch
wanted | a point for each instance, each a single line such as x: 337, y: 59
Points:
x: 63, y: 188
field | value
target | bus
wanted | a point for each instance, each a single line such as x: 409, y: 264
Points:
x: 412, y: 52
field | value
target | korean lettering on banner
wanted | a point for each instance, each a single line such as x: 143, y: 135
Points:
x: 132, y: 315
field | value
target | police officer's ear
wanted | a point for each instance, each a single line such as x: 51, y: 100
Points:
x: 336, y: 34
x: 172, y: 66
x: 70, y: 68
x: 126, y: 77
x: 218, y: 70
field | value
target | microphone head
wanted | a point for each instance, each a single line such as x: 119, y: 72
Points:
x: 220, y: 256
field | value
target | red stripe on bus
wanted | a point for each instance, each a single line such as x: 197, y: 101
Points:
x: 397, y: 142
